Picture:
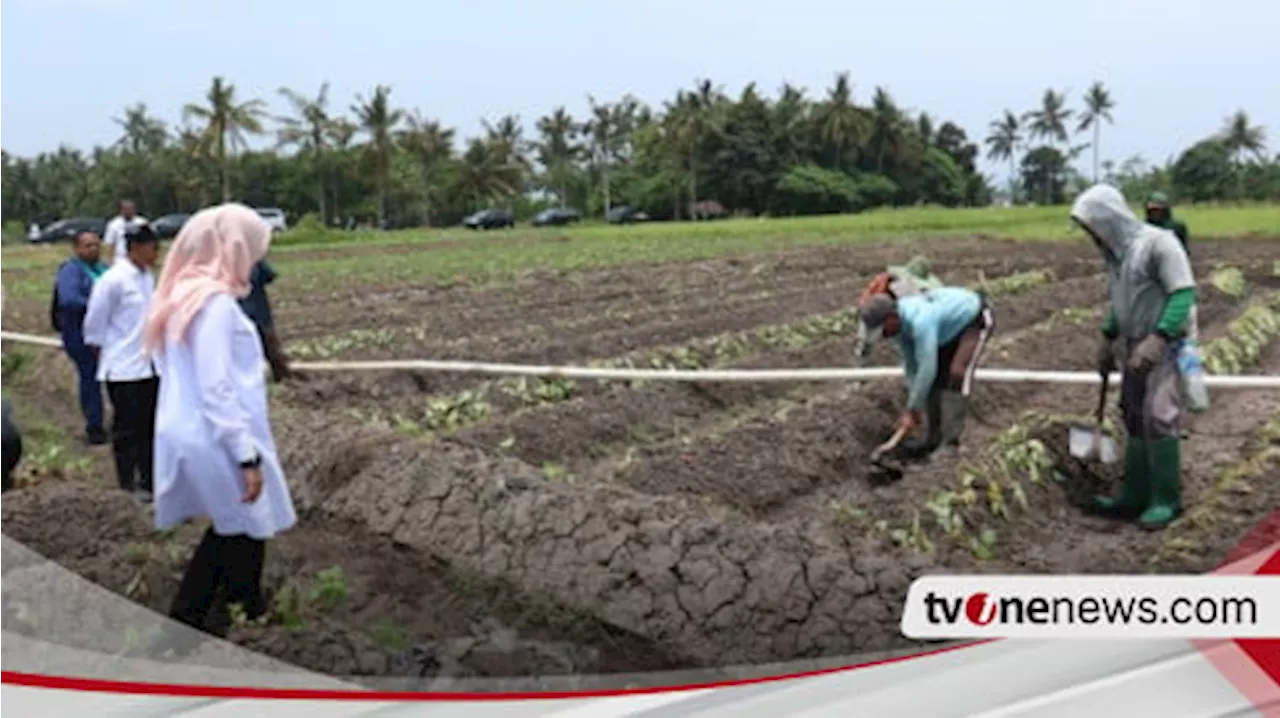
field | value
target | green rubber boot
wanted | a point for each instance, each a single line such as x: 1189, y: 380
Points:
x: 1135, y: 491
x: 1166, y: 484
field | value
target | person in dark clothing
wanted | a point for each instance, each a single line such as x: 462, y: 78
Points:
x: 12, y: 448
x: 1160, y: 214
x: 257, y: 306
x: 72, y: 288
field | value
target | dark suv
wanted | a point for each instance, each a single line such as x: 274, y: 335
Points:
x: 623, y: 214
x: 64, y: 229
x: 490, y: 219
x: 556, y: 216
x: 167, y: 227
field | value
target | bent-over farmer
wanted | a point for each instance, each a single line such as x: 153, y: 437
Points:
x: 941, y: 334
x: 897, y: 281
x: 1152, y: 302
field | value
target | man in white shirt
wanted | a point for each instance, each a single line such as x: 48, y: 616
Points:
x: 113, y: 325
x: 117, y: 228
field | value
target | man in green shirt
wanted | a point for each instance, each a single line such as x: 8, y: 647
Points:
x: 1160, y: 214
x: 1152, y: 300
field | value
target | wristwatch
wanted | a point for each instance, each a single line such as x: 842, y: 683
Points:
x: 253, y: 463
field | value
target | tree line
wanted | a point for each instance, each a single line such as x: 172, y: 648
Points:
x: 784, y: 155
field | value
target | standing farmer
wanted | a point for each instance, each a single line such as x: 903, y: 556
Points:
x: 258, y: 308
x: 71, y: 290
x: 1160, y: 214
x: 215, y: 455
x: 1152, y: 301
x: 113, y: 326
x: 941, y: 334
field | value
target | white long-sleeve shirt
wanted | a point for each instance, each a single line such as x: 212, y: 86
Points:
x: 212, y: 416
x: 114, y: 235
x: 114, y: 320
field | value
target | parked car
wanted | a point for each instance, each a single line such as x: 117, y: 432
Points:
x: 64, y: 229
x: 490, y: 219
x: 556, y: 216
x: 707, y: 209
x: 274, y: 217
x: 623, y: 214
x: 167, y: 227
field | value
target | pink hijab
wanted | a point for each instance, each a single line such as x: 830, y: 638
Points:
x: 213, y: 254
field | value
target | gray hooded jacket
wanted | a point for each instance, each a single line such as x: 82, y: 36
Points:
x: 1145, y: 264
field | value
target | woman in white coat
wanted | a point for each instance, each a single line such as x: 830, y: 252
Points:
x: 214, y: 453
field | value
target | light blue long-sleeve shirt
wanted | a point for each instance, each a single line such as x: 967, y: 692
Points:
x: 929, y: 321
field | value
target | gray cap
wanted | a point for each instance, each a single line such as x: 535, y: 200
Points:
x: 876, y: 310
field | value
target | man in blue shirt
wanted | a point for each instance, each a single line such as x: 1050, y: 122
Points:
x: 941, y: 334
x: 74, y: 282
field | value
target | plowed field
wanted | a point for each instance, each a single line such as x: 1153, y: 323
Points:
x: 500, y: 527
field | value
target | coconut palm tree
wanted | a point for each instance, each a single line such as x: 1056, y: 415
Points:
x: 1098, y: 105
x: 379, y: 120
x: 840, y: 125
x: 1004, y: 141
x: 558, y: 150
x: 1049, y: 121
x: 1241, y: 137
x: 431, y: 146
x: 142, y: 132
x: 227, y: 122
x: 308, y: 129
x: 886, y: 126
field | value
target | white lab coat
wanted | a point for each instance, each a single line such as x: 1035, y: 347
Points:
x: 211, y: 415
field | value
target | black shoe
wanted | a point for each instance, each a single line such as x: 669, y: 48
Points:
x: 96, y: 438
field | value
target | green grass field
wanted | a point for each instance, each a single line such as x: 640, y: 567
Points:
x: 313, y: 259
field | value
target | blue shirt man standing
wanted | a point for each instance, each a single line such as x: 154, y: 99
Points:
x: 72, y: 287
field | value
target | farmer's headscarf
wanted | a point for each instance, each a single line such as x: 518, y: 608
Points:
x: 212, y: 254
x: 1102, y: 208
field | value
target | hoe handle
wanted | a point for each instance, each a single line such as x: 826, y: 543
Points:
x: 890, y: 444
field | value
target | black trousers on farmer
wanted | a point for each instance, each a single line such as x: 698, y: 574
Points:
x: 958, y: 359
x: 274, y: 351
x: 133, y: 431
x: 223, y: 571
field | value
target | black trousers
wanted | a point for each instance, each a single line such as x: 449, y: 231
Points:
x: 223, y: 571
x: 133, y: 430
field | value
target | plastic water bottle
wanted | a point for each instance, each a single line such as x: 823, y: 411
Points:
x: 1191, y: 373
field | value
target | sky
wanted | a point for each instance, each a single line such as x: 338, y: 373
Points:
x: 1176, y: 68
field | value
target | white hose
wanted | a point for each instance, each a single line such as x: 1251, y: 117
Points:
x: 708, y: 375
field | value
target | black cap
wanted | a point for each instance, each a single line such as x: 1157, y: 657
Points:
x: 142, y: 234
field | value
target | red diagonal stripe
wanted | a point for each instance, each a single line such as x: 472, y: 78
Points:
x: 1266, y: 651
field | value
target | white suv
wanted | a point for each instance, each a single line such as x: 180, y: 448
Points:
x: 274, y: 217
